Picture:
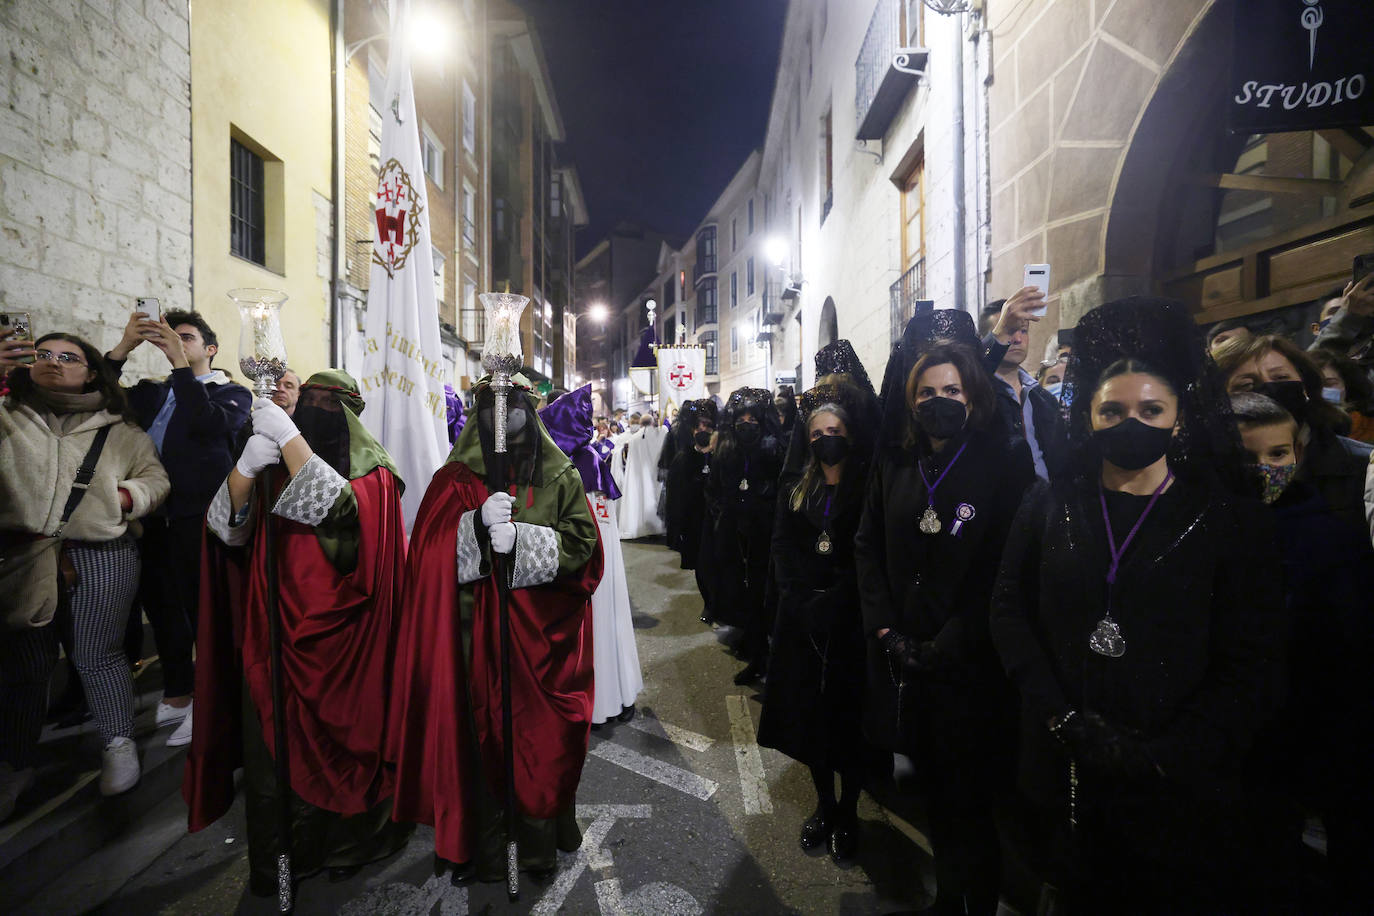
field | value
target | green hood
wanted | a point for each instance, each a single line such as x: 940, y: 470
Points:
x: 365, y: 453
x: 468, y: 448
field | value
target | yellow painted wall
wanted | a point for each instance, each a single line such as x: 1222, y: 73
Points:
x: 262, y: 66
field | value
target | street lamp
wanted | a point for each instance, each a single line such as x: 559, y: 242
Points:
x: 598, y: 312
x: 775, y: 250
x: 426, y: 31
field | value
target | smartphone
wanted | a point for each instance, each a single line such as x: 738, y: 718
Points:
x: 22, y: 326
x: 1364, y: 266
x: 151, y: 306
x: 1037, y: 275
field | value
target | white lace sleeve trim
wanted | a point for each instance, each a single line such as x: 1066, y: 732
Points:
x: 536, y: 555
x: 234, y: 530
x: 469, y: 552
x: 310, y: 493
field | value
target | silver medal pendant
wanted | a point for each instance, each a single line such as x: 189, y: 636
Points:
x: 930, y: 522
x: 743, y: 485
x: 824, y: 545
x: 1107, y: 640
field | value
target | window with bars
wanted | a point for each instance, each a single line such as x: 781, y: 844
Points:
x: 247, y: 230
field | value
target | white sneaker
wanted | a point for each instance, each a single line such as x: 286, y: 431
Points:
x: 119, y: 769
x: 12, y: 785
x: 167, y: 714
x: 183, y: 733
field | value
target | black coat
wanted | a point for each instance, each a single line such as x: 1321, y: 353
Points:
x: 816, y: 669
x: 936, y: 587
x: 685, y: 490
x: 740, y: 526
x: 1046, y: 411
x: 1199, y: 603
x: 201, y: 444
x: 1324, y: 743
x: 1336, y: 466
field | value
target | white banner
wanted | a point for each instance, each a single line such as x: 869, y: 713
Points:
x: 403, y: 369
x: 681, y: 377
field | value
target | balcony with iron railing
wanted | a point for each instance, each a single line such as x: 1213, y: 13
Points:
x: 706, y: 267
x: 885, y: 71
x: 905, y: 296
x: 469, y: 233
x: 707, y: 313
x: 770, y: 313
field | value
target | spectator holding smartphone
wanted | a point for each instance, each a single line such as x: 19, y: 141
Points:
x: 14, y: 353
x: 193, y: 418
x: 1351, y: 331
x: 66, y: 417
x: 1029, y: 411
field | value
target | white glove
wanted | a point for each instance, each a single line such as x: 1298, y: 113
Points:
x: 502, y: 537
x: 497, y: 509
x: 259, y: 453
x: 271, y: 421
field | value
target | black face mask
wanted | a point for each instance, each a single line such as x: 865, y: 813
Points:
x: 1131, y: 444
x: 326, y: 432
x: 830, y: 450
x: 748, y: 433
x: 1291, y: 396
x: 941, y: 417
x: 702, y: 437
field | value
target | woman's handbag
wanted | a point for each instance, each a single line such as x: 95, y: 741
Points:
x: 35, y: 572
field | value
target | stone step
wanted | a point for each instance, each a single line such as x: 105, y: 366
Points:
x: 63, y: 819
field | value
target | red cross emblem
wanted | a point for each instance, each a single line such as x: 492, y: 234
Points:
x: 680, y: 376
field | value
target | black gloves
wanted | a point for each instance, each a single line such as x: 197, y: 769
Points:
x: 902, y: 650
x: 919, y: 657
x: 1101, y: 746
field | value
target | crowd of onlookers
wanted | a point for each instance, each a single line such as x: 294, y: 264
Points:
x: 1113, y: 615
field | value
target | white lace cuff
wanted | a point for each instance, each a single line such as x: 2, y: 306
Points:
x: 536, y: 555
x: 234, y: 529
x: 469, y: 551
x: 310, y: 493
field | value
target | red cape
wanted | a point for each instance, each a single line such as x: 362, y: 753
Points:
x: 338, y: 638
x: 551, y: 680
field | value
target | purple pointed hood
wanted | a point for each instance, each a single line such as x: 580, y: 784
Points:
x: 569, y: 422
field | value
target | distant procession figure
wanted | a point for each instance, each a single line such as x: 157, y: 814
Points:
x: 615, y: 656
x: 742, y: 492
x: 638, y: 502
x: 685, y: 488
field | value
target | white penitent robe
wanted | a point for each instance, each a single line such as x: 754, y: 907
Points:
x: 615, y: 659
x: 639, y: 493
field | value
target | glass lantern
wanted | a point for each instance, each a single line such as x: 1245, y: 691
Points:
x: 501, y: 353
x: 262, y: 350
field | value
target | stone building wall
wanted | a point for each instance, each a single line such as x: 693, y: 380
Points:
x: 95, y: 163
x: 1070, y: 81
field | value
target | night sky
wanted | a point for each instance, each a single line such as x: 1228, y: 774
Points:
x: 662, y: 100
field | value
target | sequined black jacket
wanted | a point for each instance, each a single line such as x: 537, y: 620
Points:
x: 1199, y: 600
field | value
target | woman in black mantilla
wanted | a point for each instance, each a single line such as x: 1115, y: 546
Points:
x: 1138, y: 610
x: 812, y: 704
x: 941, y: 496
x: 742, y: 491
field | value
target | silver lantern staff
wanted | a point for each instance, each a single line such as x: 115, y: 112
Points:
x: 501, y: 358
x: 262, y: 357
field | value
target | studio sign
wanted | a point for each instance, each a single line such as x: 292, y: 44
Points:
x: 1301, y: 65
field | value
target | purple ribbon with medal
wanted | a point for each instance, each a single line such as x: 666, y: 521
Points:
x: 1106, y: 639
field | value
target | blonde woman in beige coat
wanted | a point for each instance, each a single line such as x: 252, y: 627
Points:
x: 48, y: 422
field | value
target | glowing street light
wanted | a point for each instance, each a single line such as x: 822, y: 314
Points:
x: 598, y: 312
x: 775, y: 250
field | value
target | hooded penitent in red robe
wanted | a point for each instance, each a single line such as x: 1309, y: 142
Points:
x: 338, y: 639
x: 433, y: 722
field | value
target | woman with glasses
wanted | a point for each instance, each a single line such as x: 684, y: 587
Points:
x: 50, y: 422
